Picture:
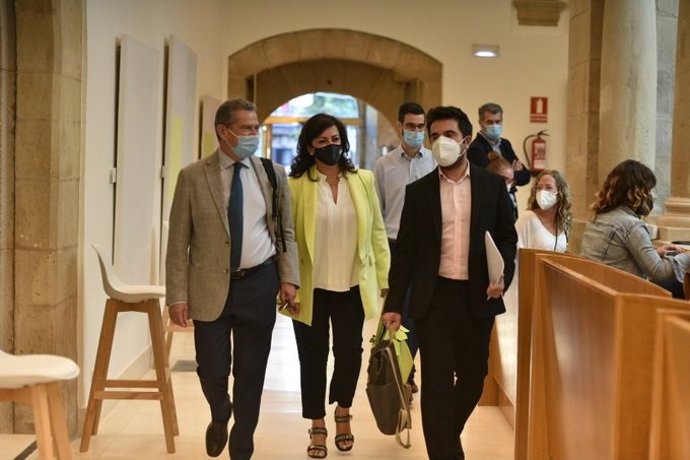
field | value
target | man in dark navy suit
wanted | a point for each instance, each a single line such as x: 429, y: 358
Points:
x: 441, y: 254
x: 489, y: 139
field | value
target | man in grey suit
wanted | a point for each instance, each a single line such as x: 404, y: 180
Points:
x: 231, y: 250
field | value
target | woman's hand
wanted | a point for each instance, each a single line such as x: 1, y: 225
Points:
x: 663, y: 249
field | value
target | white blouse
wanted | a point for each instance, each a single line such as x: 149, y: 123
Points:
x: 336, y: 265
x: 532, y: 234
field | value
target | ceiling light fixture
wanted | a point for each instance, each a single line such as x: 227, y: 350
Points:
x: 485, y: 51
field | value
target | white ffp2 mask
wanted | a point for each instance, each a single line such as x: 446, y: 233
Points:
x: 546, y: 199
x: 447, y: 151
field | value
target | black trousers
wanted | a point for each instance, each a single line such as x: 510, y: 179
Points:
x: 344, y: 311
x: 248, y: 318
x: 454, y: 348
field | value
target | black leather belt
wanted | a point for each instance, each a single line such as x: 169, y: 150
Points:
x: 244, y: 272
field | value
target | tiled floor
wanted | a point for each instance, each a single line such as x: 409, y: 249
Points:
x: 134, y: 430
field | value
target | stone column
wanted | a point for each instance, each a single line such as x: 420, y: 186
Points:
x: 8, y: 74
x: 584, y: 73
x: 48, y: 148
x: 675, y: 223
x: 628, y: 84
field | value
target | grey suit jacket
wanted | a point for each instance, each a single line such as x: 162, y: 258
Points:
x: 197, y: 267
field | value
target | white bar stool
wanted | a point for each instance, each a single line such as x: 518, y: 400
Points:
x: 130, y: 298
x: 33, y: 380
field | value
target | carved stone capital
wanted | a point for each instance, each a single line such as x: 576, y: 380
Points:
x: 539, y: 12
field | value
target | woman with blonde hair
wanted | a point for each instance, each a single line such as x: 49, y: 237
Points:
x: 617, y: 235
x: 547, y: 221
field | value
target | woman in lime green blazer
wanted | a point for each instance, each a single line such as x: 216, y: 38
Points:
x: 344, y: 261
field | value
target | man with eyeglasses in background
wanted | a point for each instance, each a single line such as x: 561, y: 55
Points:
x: 231, y: 250
x: 393, y: 172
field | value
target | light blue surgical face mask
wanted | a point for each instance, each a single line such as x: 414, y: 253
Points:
x: 414, y: 139
x: 246, y: 145
x: 493, y: 132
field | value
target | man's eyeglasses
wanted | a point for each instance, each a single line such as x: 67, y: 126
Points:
x: 414, y: 127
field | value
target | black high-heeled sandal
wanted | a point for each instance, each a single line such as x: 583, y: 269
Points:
x: 317, y: 450
x: 342, y: 438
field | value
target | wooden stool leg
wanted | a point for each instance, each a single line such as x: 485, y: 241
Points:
x: 58, y: 421
x: 100, y: 373
x: 160, y: 361
x: 41, y: 413
x: 168, y: 333
x: 168, y: 347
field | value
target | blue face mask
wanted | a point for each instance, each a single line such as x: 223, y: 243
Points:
x: 414, y: 139
x: 246, y: 145
x: 493, y: 132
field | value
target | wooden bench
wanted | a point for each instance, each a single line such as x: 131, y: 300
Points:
x: 592, y: 353
x: 671, y: 395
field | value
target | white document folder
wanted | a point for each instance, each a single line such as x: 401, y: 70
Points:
x: 494, y: 260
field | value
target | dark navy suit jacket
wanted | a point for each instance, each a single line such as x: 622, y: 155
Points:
x: 418, y: 248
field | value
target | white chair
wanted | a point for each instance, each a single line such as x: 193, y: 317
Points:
x: 33, y: 380
x: 130, y: 298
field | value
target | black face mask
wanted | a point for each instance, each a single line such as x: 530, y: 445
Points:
x: 328, y: 155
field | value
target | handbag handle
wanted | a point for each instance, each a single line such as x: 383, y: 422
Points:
x: 404, y: 414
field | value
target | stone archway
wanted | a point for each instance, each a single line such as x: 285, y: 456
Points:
x: 381, y: 71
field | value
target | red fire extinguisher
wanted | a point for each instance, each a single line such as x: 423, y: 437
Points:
x: 536, y: 159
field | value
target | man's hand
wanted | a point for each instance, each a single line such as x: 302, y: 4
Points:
x: 391, y: 320
x: 287, y: 298
x: 495, y: 290
x: 179, y: 313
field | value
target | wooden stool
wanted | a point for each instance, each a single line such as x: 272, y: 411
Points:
x: 33, y: 380
x: 130, y: 298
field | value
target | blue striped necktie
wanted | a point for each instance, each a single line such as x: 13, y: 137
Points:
x: 235, y: 217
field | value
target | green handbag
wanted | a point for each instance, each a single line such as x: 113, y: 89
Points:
x: 388, y: 395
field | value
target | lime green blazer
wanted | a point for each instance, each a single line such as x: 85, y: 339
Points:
x: 372, y: 241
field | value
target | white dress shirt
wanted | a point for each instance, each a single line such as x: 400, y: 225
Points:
x: 393, y: 172
x: 256, y: 240
x: 336, y: 265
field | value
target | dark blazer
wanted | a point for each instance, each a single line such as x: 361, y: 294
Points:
x: 418, y: 248
x: 478, y: 153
